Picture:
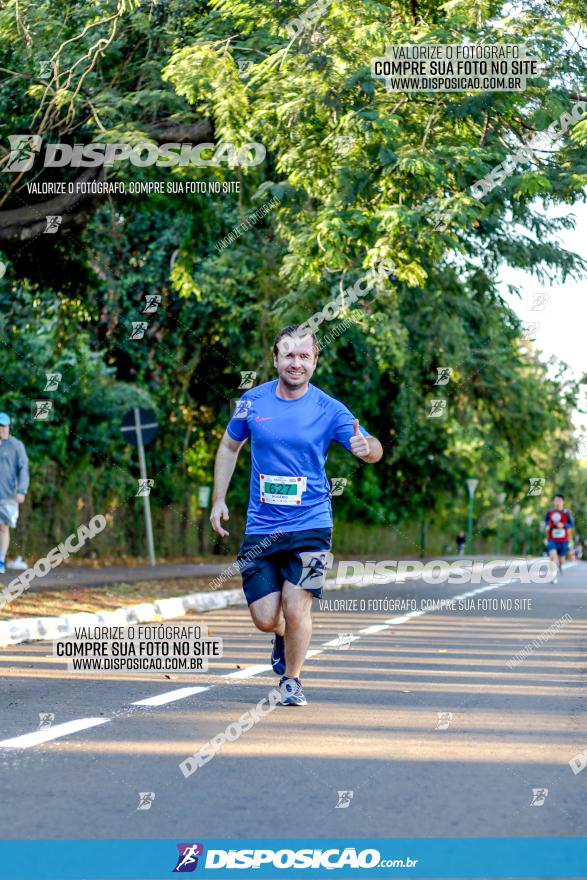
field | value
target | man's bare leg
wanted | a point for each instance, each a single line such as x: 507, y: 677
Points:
x: 297, y: 609
x: 555, y: 558
x: 267, y: 613
x: 4, y: 541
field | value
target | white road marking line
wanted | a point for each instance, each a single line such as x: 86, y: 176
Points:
x: 397, y: 621
x: 485, y: 589
x: 336, y: 643
x: 248, y: 671
x: 27, y: 740
x: 170, y: 696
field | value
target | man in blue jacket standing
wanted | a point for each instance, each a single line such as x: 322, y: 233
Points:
x: 14, y: 482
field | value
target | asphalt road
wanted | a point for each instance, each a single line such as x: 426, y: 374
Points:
x: 371, y: 727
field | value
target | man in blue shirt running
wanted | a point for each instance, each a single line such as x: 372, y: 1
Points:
x: 287, y: 542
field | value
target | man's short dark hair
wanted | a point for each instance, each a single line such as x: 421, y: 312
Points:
x: 295, y: 330
x: 558, y: 495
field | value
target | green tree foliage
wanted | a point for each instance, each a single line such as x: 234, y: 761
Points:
x: 361, y: 176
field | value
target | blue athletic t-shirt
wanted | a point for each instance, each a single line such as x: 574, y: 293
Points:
x: 289, y: 490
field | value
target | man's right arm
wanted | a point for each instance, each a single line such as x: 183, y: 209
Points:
x: 223, y: 470
x: 22, y: 473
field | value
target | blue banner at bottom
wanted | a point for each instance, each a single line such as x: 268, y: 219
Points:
x: 302, y: 858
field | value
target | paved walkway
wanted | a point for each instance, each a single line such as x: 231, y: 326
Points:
x: 63, y: 577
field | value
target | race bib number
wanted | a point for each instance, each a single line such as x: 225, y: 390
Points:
x: 282, y: 490
x: 558, y: 533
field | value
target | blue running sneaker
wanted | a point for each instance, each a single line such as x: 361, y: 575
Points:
x: 278, y: 655
x: 291, y: 692
x: 3, y: 569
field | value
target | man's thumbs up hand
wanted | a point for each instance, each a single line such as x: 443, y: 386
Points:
x: 359, y: 443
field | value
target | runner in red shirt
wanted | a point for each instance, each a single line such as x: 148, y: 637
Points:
x: 559, y: 525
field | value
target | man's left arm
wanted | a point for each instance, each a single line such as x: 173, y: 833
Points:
x: 367, y: 448
x: 22, y: 473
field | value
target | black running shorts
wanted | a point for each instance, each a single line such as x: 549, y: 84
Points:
x: 266, y: 561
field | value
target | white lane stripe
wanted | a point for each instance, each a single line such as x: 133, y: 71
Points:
x: 397, y: 621
x: 170, y: 696
x: 248, y: 671
x: 485, y: 589
x: 336, y: 643
x: 41, y: 736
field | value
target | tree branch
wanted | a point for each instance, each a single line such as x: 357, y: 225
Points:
x: 23, y: 224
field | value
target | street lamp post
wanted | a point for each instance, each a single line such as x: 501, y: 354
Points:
x: 471, y: 485
x: 501, y: 498
x: 515, y: 511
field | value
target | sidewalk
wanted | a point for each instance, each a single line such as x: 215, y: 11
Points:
x: 75, y: 577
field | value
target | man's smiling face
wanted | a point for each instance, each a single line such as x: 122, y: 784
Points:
x: 295, y: 361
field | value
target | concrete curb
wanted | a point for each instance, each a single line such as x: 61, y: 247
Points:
x: 29, y: 629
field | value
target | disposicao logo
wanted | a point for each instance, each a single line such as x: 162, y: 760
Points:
x: 328, y: 859
x: 187, y: 859
x: 24, y: 149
